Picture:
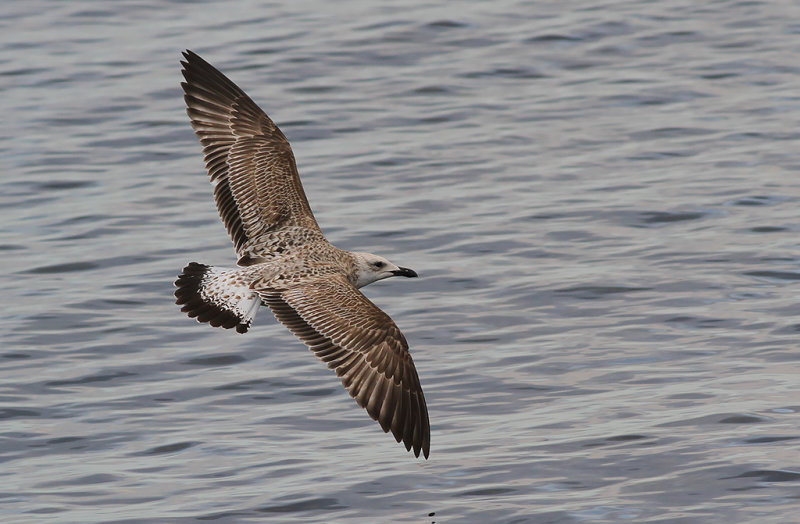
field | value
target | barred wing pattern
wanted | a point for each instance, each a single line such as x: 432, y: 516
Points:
x: 365, y: 348
x: 250, y: 162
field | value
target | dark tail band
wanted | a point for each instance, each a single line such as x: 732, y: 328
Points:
x: 208, y: 298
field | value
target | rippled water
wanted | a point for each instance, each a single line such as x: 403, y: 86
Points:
x: 601, y: 199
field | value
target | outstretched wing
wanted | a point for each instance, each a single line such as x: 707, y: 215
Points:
x: 256, y: 184
x: 365, y: 348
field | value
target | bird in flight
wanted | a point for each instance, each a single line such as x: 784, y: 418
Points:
x: 286, y: 263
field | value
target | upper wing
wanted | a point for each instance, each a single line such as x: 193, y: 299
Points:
x: 249, y: 160
x: 366, y: 349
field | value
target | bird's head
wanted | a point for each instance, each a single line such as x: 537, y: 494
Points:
x: 371, y: 268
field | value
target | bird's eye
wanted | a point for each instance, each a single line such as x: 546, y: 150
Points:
x: 379, y: 264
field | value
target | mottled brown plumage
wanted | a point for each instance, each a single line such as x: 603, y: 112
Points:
x: 287, y: 263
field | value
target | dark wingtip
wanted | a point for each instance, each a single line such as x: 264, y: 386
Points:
x: 426, y: 445
x: 192, y: 59
x: 188, y: 56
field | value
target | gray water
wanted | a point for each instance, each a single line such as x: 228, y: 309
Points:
x: 601, y: 199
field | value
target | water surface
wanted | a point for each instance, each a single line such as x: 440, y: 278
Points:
x: 601, y: 199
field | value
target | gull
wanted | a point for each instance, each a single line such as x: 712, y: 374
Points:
x: 286, y: 263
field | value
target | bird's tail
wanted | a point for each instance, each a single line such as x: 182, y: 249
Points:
x: 216, y: 295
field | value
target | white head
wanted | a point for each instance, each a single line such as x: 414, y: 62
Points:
x: 371, y: 268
